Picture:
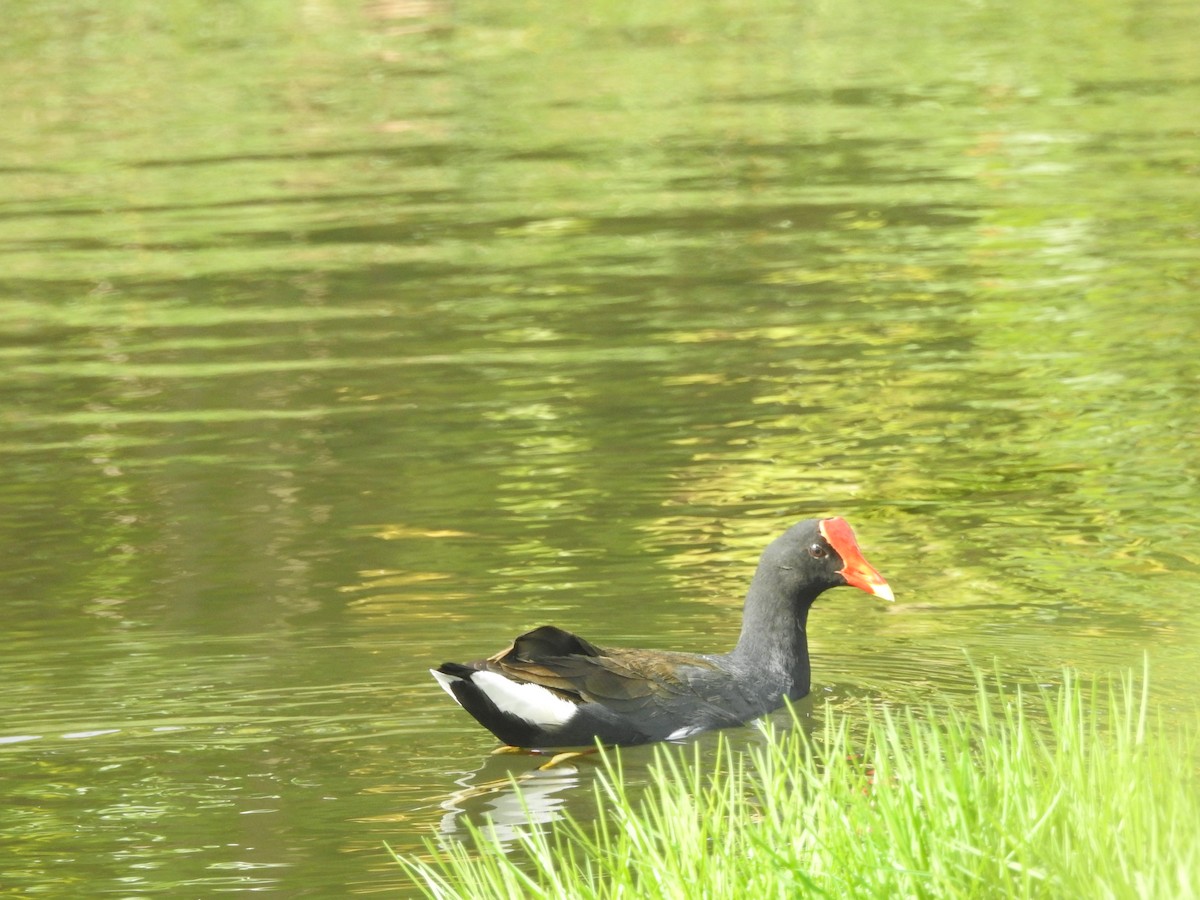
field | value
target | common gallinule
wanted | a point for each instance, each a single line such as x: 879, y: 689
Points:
x: 552, y: 688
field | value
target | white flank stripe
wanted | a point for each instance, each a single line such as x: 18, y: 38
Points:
x: 531, y: 702
x: 686, y: 731
x: 445, y: 681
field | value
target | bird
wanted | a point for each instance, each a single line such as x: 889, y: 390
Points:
x: 553, y: 689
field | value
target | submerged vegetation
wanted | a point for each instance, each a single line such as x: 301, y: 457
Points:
x: 1072, y: 791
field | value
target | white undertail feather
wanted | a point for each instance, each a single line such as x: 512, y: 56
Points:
x: 445, y: 681
x: 531, y: 702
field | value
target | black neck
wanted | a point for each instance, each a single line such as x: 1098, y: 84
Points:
x: 773, y: 646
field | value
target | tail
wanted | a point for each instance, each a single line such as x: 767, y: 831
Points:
x: 449, y: 674
x: 518, y: 713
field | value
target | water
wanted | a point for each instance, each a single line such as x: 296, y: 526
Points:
x: 340, y: 340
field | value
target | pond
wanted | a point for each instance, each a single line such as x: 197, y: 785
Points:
x: 341, y: 339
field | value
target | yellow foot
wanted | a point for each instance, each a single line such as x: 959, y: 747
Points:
x: 508, y: 748
x: 558, y: 758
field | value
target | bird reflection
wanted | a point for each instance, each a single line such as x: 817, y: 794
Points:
x: 500, y: 803
x: 510, y: 793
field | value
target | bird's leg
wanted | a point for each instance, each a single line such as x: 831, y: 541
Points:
x: 563, y: 757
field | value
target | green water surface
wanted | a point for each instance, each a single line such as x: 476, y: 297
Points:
x: 339, y: 339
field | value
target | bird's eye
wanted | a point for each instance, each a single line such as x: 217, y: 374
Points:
x: 818, y: 551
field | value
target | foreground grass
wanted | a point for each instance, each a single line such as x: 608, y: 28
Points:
x: 1072, y: 792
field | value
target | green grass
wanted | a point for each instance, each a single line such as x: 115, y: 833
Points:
x: 1076, y: 791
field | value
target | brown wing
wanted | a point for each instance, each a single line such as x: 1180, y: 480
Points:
x: 579, y: 670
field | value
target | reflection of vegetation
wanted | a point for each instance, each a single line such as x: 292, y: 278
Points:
x: 585, y: 302
x: 1101, y: 802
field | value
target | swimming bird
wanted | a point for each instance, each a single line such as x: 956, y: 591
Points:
x: 552, y: 688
